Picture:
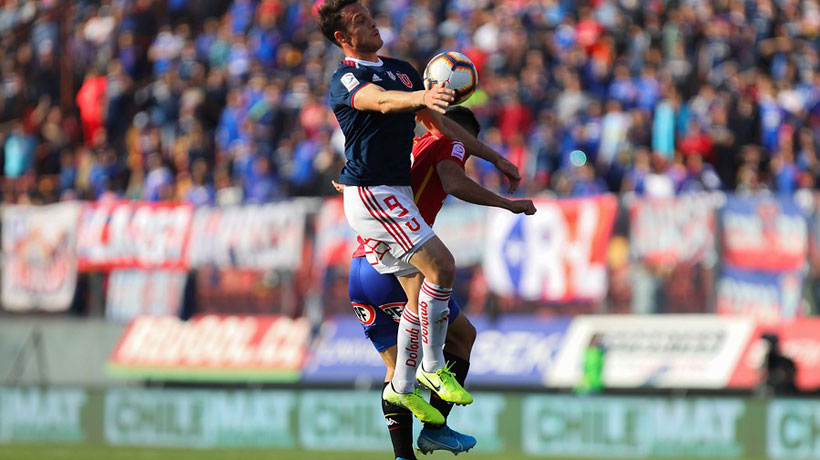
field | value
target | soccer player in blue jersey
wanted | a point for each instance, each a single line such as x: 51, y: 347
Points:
x: 378, y: 300
x: 376, y: 101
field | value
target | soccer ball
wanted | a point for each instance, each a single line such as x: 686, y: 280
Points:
x: 456, y: 71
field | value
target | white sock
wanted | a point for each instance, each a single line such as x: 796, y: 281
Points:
x: 408, y: 353
x: 433, y: 314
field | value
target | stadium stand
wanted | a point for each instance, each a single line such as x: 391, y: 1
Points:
x: 211, y: 101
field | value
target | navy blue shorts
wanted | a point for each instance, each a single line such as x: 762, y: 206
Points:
x: 378, y: 301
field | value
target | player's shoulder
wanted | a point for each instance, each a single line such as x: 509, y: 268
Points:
x: 349, y: 66
x: 439, y: 147
x: 392, y: 60
x: 396, y: 63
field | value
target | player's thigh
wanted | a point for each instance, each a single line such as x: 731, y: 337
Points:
x: 389, y: 357
x: 435, y: 261
x: 461, y: 335
x: 371, y: 287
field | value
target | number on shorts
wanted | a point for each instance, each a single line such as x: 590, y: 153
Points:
x: 392, y: 202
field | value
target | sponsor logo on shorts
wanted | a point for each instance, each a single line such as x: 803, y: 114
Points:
x: 393, y: 310
x: 365, y: 313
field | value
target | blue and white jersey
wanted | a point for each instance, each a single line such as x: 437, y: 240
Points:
x: 377, y: 145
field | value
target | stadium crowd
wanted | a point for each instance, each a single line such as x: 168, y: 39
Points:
x: 217, y: 101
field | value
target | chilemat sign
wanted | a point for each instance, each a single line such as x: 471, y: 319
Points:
x: 534, y: 424
x: 632, y: 427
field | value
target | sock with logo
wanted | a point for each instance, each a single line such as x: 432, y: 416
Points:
x: 459, y: 367
x: 433, y: 313
x: 400, y: 426
x: 408, y: 353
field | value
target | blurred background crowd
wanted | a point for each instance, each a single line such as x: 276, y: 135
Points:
x: 220, y: 102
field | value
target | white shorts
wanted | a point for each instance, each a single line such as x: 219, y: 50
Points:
x: 387, y: 218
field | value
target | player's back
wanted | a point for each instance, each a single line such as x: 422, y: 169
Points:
x: 377, y: 145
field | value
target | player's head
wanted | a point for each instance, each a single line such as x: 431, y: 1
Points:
x: 464, y: 117
x: 349, y: 25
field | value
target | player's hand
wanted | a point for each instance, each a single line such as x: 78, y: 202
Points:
x: 438, y: 98
x: 339, y: 187
x: 511, y: 171
x: 519, y: 206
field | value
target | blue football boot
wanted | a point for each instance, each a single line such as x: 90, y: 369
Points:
x: 445, y: 438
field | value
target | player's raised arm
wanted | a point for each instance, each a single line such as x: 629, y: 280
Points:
x: 455, y: 182
x: 435, y: 122
x: 375, y: 98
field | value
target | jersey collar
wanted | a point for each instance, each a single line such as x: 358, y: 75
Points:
x: 365, y: 63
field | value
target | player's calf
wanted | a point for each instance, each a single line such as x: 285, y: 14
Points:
x: 400, y: 426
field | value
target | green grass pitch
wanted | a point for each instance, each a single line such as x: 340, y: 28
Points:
x: 83, y: 452
x: 30, y: 452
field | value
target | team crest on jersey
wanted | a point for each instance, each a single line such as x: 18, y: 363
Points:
x: 365, y: 313
x: 405, y: 79
x: 393, y: 310
x: 350, y: 81
x: 390, y: 74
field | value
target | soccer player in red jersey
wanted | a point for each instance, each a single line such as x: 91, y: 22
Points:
x: 378, y: 300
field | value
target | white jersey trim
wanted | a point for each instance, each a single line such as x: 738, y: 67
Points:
x: 365, y: 63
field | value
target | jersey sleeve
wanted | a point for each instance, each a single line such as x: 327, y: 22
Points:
x: 344, y: 85
x: 448, y: 149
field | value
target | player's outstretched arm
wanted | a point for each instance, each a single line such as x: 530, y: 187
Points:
x: 456, y: 183
x: 377, y: 99
x: 440, y: 124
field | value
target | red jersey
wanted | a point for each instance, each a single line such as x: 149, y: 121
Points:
x: 428, y: 151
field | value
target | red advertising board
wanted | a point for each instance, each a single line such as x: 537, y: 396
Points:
x: 118, y: 235
x: 799, y: 339
x: 213, y: 347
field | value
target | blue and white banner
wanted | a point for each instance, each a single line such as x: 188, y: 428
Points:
x: 133, y: 293
x: 764, y: 234
x: 762, y: 295
x: 557, y: 255
x: 517, y: 351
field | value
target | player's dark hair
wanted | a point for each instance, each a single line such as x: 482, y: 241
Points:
x: 465, y: 117
x: 330, y: 18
